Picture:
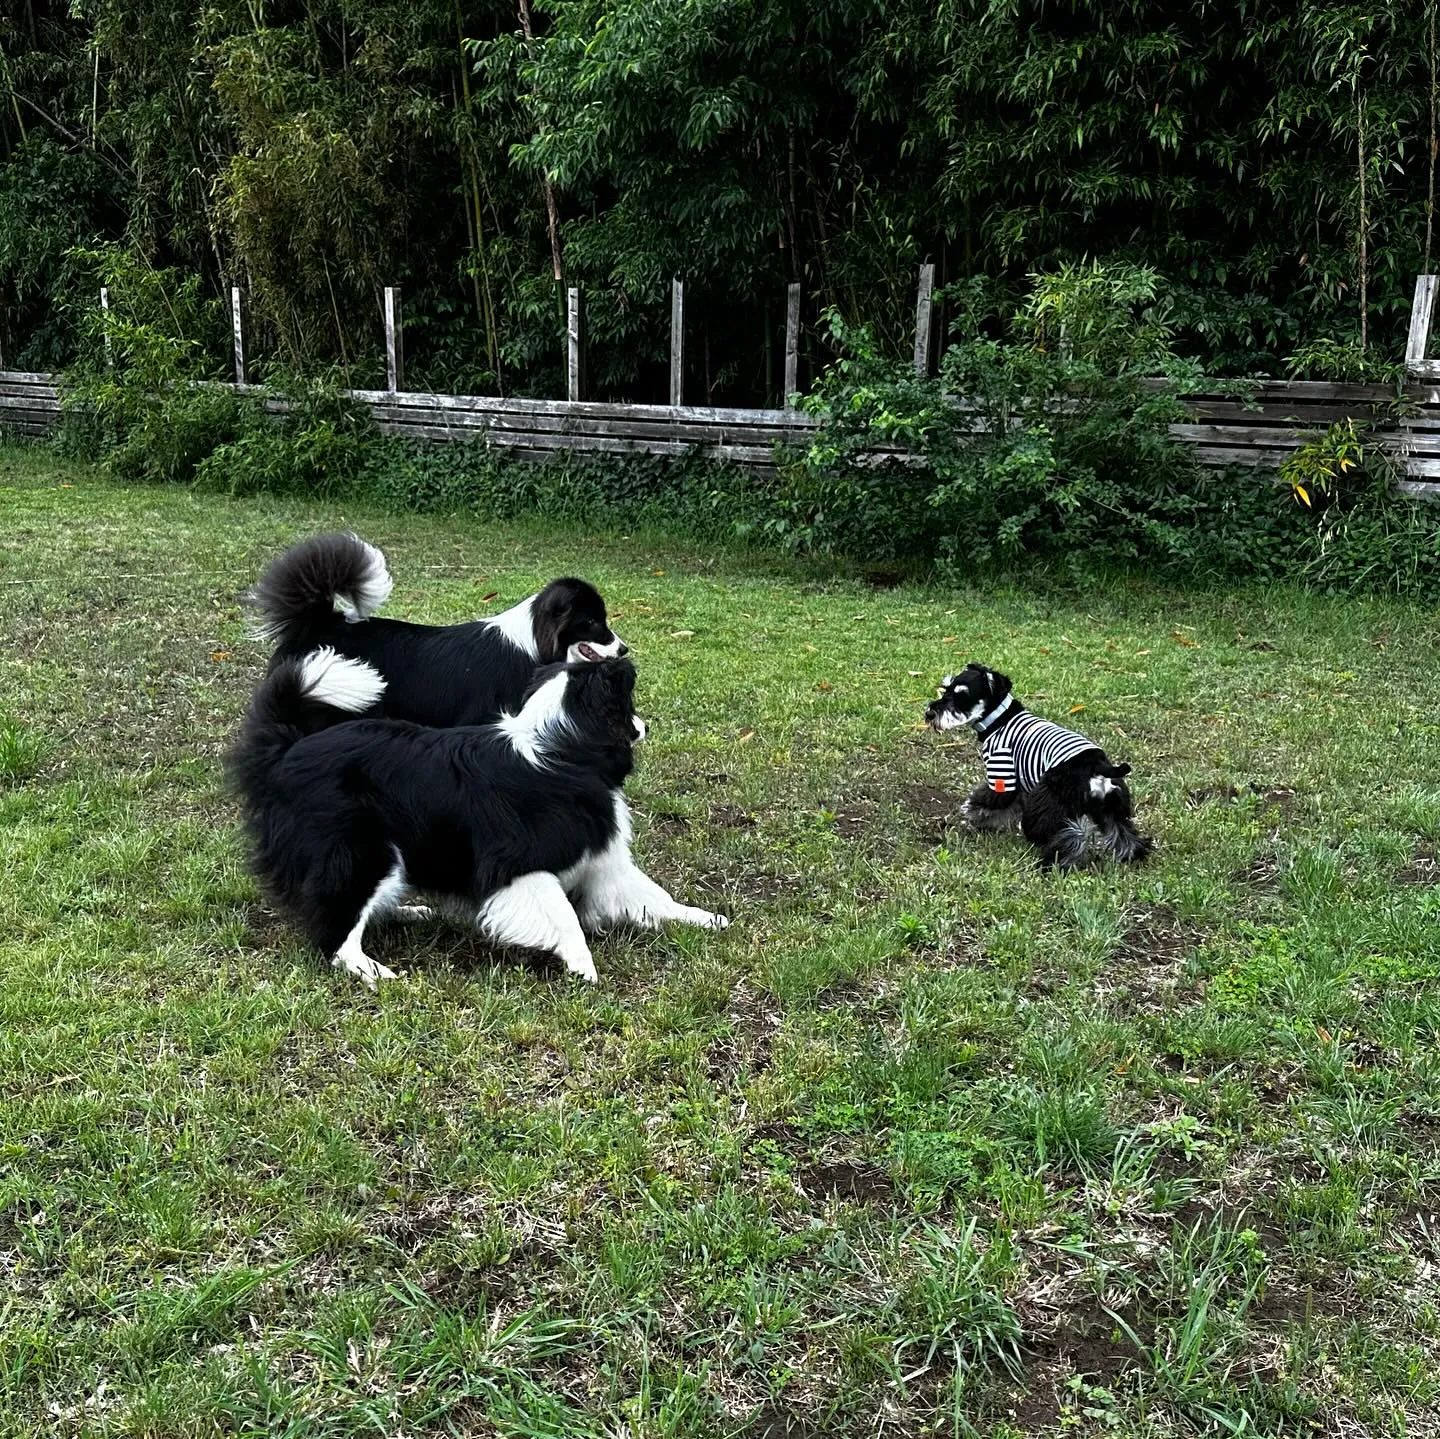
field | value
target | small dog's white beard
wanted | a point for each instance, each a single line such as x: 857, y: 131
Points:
x: 948, y: 719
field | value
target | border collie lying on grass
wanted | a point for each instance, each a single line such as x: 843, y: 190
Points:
x: 520, y: 826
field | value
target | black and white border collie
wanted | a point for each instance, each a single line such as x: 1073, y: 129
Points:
x: 325, y: 591
x: 519, y: 827
x: 1060, y: 785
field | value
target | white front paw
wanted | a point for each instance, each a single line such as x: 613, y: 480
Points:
x: 704, y: 919
x: 413, y: 913
x: 360, y: 966
x: 582, y: 967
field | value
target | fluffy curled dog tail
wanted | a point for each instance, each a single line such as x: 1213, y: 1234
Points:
x: 304, y: 587
x: 297, y: 698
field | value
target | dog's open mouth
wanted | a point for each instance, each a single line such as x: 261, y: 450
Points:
x: 586, y: 652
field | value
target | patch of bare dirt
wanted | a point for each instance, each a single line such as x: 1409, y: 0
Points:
x: 1422, y: 869
x: 747, y: 887
x: 1262, y: 873
x: 851, y: 821
x: 747, y: 1049
x: 934, y: 810
x: 730, y: 816
x: 1150, y: 959
x: 1281, y: 796
x: 847, y: 1179
x: 775, y: 1421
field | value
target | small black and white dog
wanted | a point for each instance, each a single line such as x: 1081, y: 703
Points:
x: 1061, y: 786
x: 520, y: 826
x: 324, y: 592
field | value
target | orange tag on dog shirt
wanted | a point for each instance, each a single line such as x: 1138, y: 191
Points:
x: 998, y: 786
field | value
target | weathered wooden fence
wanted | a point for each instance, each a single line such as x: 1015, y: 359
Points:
x: 1281, y: 416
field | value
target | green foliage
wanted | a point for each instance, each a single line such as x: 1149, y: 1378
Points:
x: 305, y: 438
x: 142, y: 395
x: 1318, y: 470
x: 1057, y: 445
x: 1059, y: 451
x: 21, y: 750
x: 1048, y: 445
x: 145, y: 400
x: 1273, y: 165
x: 48, y: 196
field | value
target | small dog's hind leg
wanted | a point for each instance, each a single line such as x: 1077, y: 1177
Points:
x: 1125, y: 842
x: 1062, y: 838
x: 1069, y: 847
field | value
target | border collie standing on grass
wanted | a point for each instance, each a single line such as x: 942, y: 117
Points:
x: 325, y: 591
x: 1058, y: 784
x: 520, y: 826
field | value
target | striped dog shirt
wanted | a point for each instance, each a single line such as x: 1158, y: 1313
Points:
x: 1020, y: 752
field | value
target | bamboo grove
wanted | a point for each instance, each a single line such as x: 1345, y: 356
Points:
x: 1275, y: 162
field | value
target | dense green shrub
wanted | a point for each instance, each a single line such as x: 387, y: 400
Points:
x: 1051, y: 441
x: 1052, y: 445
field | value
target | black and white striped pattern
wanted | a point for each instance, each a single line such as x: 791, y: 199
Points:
x: 1020, y: 751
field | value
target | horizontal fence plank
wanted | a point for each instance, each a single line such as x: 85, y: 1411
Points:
x: 1222, y: 429
x: 780, y: 419
x: 1238, y: 435
x: 29, y: 402
x: 1215, y: 456
x: 1423, y: 467
x: 692, y: 431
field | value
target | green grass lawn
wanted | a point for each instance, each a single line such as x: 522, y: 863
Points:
x: 925, y: 1143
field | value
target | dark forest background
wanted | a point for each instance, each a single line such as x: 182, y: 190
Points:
x: 1273, y: 162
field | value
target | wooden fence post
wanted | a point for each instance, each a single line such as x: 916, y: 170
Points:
x: 574, y: 346
x: 924, y: 312
x: 1422, y: 312
x: 677, y: 341
x: 394, y: 344
x: 239, y: 334
x: 792, y: 344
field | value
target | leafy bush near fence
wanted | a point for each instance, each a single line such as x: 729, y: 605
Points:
x: 148, y: 403
x: 1059, y: 455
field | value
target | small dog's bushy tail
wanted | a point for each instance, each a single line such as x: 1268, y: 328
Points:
x: 303, y: 588
x: 295, y: 699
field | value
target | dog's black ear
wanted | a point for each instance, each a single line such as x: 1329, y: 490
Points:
x: 549, y: 617
x: 1119, y: 771
x: 1000, y: 685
